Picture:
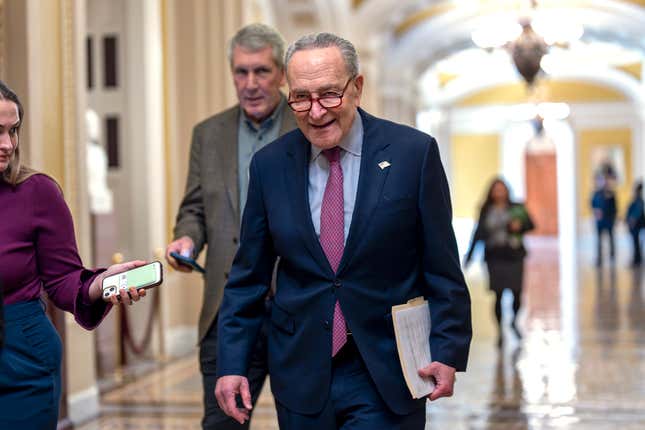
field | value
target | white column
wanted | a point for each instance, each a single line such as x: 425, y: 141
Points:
x: 436, y: 122
x: 638, y: 147
x: 144, y: 141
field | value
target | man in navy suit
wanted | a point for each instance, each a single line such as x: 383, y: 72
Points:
x: 358, y: 211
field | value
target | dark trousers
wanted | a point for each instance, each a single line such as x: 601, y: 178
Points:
x: 600, y: 232
x: 30, y: 362
x: 517, y: 304
x: 354, y: 402
x: 214, y: 418
x: 506, y: 275
x: 1, y: 316
x: 635, y: 234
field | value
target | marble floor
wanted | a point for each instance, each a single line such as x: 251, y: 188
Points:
x: 580, y: 364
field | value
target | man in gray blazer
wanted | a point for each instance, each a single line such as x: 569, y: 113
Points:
x: 221, y: 150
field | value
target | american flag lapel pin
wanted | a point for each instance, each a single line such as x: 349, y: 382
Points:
x: 384, y: 165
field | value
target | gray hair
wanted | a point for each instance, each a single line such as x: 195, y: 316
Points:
x: 326, y: 40
x: 256, y: 37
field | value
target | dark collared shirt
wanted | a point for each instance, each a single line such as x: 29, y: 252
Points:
x: 251, y: 139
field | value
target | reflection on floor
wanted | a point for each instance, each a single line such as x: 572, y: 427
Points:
x: 580, y: 365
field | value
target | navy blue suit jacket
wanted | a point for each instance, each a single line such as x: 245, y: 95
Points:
x: 400, y: 245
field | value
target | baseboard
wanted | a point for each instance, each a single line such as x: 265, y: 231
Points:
x: 84, y: 405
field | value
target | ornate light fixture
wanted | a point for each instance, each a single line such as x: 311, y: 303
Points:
x: 526, y: 38
x: 527, y: 52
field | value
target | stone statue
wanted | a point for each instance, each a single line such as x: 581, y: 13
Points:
x: 97, y: 166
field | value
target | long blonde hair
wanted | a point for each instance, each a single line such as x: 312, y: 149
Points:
x: 15, y: 173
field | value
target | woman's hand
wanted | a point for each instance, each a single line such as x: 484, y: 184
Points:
x: 126, y: 296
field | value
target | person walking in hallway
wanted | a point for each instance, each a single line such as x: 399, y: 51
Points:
x: 38, y: 252
x: 216, y: 188
x: 603, y: 204
x: 357, y: 209
x: 635, y: 220
x: 501, y: 226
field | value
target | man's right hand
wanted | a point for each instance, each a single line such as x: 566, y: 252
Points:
x: 184, y: 246
x: 226, y: 390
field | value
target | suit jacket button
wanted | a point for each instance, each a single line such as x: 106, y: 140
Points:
x: 326, y: 324
x: 337, y: 283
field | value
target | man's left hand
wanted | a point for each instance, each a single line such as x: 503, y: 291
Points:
x: 443, y: 377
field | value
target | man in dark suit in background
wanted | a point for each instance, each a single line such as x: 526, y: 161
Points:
x: 358, y: 211
x: 603, y: 204
x: 220, y: 154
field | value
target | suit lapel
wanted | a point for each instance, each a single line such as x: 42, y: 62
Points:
x: 296, y: 178
x: 225, y: 140
x: 370, y: 183
x: 288, y: 120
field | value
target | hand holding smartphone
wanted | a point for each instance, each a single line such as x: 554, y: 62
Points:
x: 142, y: 277
x: 187, y: 261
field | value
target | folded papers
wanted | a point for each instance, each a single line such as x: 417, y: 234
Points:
x: 412, y: 330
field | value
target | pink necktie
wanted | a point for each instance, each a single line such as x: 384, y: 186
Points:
x: 332, y: 235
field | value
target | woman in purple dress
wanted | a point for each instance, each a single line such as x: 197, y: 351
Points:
x: 38, y: 252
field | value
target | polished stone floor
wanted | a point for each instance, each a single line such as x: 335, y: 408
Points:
x: 580, y: 365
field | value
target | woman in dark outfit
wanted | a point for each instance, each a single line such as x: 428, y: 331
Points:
x: 501, y: 226
x: 38, y: 252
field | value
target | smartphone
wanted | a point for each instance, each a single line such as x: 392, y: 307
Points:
x: 187, y: 261
x: 142, y: 277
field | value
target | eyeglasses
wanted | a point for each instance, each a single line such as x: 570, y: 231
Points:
x: 328, y: 100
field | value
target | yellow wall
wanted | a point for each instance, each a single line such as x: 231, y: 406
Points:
x: 603, y: 138
x: 551, y: 91
x: 475, y: 161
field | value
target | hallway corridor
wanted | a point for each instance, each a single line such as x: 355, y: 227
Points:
x: 581, y: 364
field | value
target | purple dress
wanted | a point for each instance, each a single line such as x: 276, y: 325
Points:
x: 38, y: 250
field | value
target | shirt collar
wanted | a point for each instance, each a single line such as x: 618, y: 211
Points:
x: 267, y: 122
x: 352, y: 143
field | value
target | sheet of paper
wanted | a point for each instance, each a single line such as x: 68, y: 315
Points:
x: 412, y: 329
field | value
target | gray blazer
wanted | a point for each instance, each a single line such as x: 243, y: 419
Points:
x: 210, y: 210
